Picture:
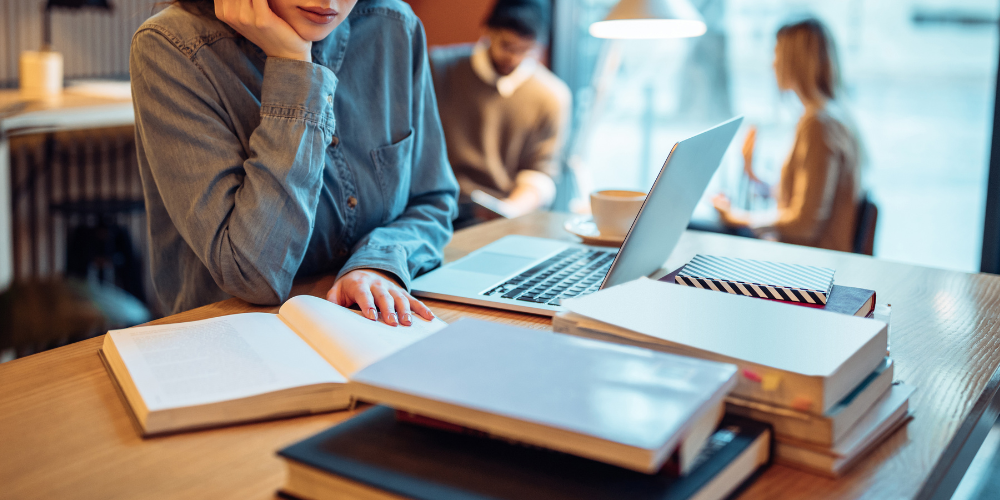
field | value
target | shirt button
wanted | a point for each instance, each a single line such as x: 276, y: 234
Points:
x: 342, y: 252
x: 329, y: 98
x: 352, y: 202
x: 335, y: 141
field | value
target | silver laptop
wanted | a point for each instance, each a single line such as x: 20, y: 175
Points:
x: 534, y: 275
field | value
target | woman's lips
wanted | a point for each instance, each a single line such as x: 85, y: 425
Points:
x: 319, y: 15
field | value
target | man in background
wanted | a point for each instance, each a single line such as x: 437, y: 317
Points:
x: 505, y: 115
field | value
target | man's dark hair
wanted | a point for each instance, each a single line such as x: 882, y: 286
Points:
x: 529, y: 18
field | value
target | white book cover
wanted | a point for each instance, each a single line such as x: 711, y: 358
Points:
x: 836, y: 350
x: 595, y: 399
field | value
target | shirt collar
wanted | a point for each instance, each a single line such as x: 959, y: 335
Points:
x: 505, y: 85
x: 330, y: 51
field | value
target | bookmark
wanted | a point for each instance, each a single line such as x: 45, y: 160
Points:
x: 770, y: 382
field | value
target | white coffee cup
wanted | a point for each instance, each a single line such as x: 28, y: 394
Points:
x: 614, y: 210
x: 41, y: 74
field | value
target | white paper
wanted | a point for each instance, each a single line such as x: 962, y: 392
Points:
x: 787, y: 337
x: 218, y: 359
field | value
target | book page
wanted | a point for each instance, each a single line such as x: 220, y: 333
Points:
x: 218, y: 359
x: 347, y: 340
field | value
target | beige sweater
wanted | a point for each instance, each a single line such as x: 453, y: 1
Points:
x: 491, y: 137
x: 820, y: 184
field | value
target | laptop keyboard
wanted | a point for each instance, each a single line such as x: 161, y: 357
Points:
x: 571, y: 273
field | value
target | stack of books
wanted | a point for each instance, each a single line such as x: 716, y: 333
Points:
x: 823, y: 380
x: 484, y: 410
x: 564, y: 417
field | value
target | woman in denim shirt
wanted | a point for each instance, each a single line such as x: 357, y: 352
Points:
x: 284, y: 143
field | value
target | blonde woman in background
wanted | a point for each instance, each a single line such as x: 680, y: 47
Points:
x: 819, y: 190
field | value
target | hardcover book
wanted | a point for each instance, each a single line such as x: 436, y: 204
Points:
x: 626, y: 406
x: 795, y: 357
x: 374, y: 456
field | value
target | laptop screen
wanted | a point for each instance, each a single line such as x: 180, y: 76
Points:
x: 671, y: 202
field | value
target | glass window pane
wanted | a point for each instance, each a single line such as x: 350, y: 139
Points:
x: 918, y: 78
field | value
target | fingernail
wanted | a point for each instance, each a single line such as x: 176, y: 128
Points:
x: 393, y: 319
x: 372, y: 314
x: 407, y: 319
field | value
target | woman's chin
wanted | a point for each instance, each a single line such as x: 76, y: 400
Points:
x: 313, y: 33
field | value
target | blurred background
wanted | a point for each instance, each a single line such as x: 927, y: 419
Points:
x: 920, y: 81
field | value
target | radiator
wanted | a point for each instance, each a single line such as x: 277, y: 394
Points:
x: 64, y: 181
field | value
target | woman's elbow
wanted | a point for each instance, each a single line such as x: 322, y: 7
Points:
x: 256, y: 286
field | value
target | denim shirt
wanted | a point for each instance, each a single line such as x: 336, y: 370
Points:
x: 259, y: 170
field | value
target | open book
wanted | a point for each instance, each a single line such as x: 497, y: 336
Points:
x: 248, y: 367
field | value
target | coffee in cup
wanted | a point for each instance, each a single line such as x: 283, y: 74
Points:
x: 614, y: 210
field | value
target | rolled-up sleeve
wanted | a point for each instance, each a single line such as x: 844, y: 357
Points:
x: 413, y: 243
x: 246, y: 209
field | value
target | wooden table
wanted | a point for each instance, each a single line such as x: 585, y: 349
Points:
x: 64, y: 433
x: 69, y: 111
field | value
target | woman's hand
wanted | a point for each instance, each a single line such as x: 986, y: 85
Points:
x: 255, y: 20
x: 748, y: 146
x: 375, y: 291
x: 727, y: 215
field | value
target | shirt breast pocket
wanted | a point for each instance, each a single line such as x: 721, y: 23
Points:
x: 393, y: 165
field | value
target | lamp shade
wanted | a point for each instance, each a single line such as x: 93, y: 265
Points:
x: 76, y: 4
x: 637, y: 19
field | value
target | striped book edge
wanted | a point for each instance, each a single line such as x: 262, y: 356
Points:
x: 759, y: 279
x: 754, y: 290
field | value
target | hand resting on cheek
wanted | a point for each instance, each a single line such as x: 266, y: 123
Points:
x: 255, y: 20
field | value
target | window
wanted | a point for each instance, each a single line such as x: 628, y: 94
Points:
x: 919, y: 80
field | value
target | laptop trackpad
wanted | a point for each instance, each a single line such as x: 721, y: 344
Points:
x: 493, y: 263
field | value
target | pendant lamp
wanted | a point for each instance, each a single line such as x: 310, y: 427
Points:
x: 646, y: 19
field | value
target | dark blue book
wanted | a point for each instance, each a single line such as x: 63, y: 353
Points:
x: 374, y: 455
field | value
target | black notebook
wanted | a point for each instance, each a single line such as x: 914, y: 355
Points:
x: 374, y: 455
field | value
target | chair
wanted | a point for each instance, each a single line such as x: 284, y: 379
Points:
x: 864, y: 232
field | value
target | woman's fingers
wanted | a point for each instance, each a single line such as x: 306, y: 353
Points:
x: 377, y: 295
x: 386, y: 304
x: 402, y: 304
x: 261, y: 12
x: 419, y: 308
x: 366, y: 301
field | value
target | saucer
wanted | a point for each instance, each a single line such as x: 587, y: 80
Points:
x: 584, y: 227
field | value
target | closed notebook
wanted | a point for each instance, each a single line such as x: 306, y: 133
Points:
x: 622, y: 405
x: 373, y: 456
x: 796, y: 357
x: 758, y: 278
x: 843, y: 299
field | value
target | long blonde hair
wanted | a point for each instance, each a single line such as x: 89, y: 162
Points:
x: 808, y: 59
